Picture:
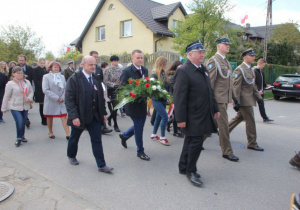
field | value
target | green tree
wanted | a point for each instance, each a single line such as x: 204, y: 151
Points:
x: 20, y: 40
x: 282, y: 54
x: 205, y: 24
x: 74, y: 55
x: 49, y: 56
x: 287, y: 33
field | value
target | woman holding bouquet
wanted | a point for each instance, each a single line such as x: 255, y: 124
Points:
x: 160, y: 104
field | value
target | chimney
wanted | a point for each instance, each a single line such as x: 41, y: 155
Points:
x: 247, y: 25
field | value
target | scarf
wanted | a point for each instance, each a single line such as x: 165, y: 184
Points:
x: 57, y: 79
x: 22, y: 85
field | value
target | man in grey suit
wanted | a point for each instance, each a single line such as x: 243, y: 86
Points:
x: 196, y: 109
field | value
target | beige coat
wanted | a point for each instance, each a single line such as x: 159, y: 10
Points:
x: 14, y: 99
x: 222, y: 86
x: 246, y: 93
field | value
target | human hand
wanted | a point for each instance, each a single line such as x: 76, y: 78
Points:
x: 261, y: 92
x: 59, y: 100
x: 76, y: 122
x: 217, y: 115
x: 27, y: 100
x: 104, y: 118
x: 181, y: 125
x: 148, y: 113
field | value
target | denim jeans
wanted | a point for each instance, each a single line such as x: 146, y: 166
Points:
x: 161, y: 117
x: 20, y: 119
x: 137, y: 130
x: 94, y: 129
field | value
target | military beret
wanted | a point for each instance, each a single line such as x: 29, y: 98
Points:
x: 195, y: 46
x: 223, y: 40
x: 249, y: 51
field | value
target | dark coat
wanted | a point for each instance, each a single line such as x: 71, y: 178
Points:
x: 134, y: 109
x: 28, y: 73
x: 259, y: 79
x: 38, y: 74
x: 194, y: 100
x: 3, y: 81
x: 68, y: 73
x: 75, y: 99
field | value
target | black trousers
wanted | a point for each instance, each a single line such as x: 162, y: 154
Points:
x: 262, y: 110
x: 190, y: 153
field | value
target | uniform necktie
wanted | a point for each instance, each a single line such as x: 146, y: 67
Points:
x: 90, y: 81
x: 141, y: 71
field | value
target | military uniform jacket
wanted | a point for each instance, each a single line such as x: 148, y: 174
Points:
x: 68, y: 72
x: 220, y: 78
x: 244, y: 86
x: 194, y: 100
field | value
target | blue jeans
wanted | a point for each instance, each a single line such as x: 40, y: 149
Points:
x: 94, y: 129
x: 20, y: 119
x: 137, y: 130
x: 161, y: 117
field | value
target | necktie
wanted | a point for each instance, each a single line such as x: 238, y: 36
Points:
x: 90, y: 81
x: 141, y: 71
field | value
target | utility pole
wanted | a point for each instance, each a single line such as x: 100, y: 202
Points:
x: 268, y: 28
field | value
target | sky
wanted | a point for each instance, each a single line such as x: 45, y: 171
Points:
x: 59, y: 22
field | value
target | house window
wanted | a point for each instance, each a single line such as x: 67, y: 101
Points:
x: 101, y: 33
x: 111, y: 6
x: 126, y: 28
x: 245, y: 37
x: 175, y: 24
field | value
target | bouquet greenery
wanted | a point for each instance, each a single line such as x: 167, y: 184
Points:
x: 141, y: 89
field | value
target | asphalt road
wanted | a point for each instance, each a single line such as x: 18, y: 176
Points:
x: 260, y: 180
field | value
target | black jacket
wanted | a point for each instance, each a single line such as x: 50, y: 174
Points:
x: 3, y: 81
x: 194, y: 100
x: 28, y: 73
x: 38, y: 74
x: 75, y: 99
x: 259, y: 79
x: 134, y: 109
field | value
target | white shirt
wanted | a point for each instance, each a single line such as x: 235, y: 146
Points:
x: 196, y: 65
x: 87, y: 76
x: 247, y: 65
x: 222, y: 56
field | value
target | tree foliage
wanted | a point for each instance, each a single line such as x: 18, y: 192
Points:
x: 74, y: 55
x: 282, y: 54
x: 49, y: 56
x: 287, y: 33
x: 15, y: 40
x: 205, y: 24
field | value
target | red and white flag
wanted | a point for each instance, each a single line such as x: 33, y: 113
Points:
x: 244, y: 19
x: 68, y: 49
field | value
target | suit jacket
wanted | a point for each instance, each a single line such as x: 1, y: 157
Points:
x: 222, y: 86
x: 38, y: 74
x: 194, y: 100
x: 3, y: 81
x: 68, y: 72
x: 75, y: 99
x: 259, y: 78
x: 246, y: 93
x: 134, y: 109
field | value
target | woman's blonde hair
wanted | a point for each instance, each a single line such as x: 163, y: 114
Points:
x: 4, y: 70
x: 160, y: 62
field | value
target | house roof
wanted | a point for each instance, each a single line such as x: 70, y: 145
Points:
x: 259, y: 31
x: 147, y: 11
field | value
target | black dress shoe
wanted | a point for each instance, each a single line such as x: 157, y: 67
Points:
x: 73, y: 161
x: 105, y: 169
x: 24, y: 140
x: 257, y: 148
x: 231, y: 157
x: 106, y: 130
x: 184, y: 173
x: 17, y: 143
x: 194, y: 179
x: 178, y: 135
x: 123, y: 141
x: 143, y: 156
x: 117, y: 129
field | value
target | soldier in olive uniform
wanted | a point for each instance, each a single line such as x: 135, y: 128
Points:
x: 246, y: 92
x: 68, y: 72
x: 220, y: 77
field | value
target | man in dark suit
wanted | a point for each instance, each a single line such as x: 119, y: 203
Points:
x: 86, y: 109
x: 196, y: 109
x: 136, y: 110
x: 99, y: 75
x: 68, y: 72
x: 261, y: 85
x: 28, y: 71
x: 3, y: 81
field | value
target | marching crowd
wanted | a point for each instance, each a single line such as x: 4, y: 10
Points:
x: 201, y: 95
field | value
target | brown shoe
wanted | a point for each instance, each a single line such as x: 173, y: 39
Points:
x: 295, y: 161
